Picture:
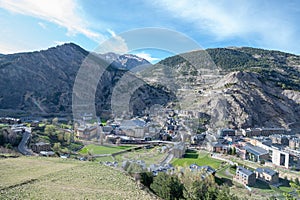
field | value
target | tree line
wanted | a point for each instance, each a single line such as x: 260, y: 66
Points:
x: 181, y: 185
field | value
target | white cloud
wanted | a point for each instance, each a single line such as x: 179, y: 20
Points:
x: 111, y: 32
x: 147, y: 56
x: 218, y: 18
x: 235, y: 19
x: 65, y: 13
x: 6, y: 48
x: 41, y: 24
x: 115, y: 44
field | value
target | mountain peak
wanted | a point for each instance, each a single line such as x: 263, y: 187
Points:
x: 67, y: 46
x: 127, y: 61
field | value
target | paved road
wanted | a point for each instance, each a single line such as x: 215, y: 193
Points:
x: 221, y: 157
x: 23, y: 144
x: 167, y: 159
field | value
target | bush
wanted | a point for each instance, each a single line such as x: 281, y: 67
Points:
x: 134, y: 168
x: 167, y: 186
x: 57, y: 147
x: 297, y: 182
x: 146, y: 179
x: 8, y: 146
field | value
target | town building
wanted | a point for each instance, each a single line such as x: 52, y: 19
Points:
x: 226, y: 132
x: 206, y: 170
x: 9, y: 120
x: 107, y: 129
x: 41, y: 146
x: 179, y: 150
x: 255, y: 153
x: 268, y: 175
x: 279, y: 139
x: 155, y: 168
x: 198, y: 139
x: 220, y: 148
x: 294, y: 143
x: 133, y: 128
x: 86, y: 132
x: 251, y: 132
x: 240, y: 151
x: 287, y: 158
x: 244, y: 176
x: 280, y: 155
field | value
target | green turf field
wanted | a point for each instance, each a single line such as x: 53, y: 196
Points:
x: 200, y: 159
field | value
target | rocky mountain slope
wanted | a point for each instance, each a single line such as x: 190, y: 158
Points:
x: 231, y: 87
x: 236, y: 87
x: 41, y: 83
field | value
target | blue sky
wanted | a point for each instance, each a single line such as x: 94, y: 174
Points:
x: 28, y: 25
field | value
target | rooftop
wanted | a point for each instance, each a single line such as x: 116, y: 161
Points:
x: 127, y: 124
x: 255, y: 150
x: 207, y: 168
x: 278, y: 136
x: 244, y: 171
x: 226, y: 129
x: 266, y: 170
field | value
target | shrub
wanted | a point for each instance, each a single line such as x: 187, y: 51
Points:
x: 167, y: 186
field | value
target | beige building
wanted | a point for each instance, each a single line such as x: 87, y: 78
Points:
x: 251, y: 132
x: 136, y: 132
x: 268, y: 175
x: 86, y: 132
x: 294, y: 143
x: 280, y: 158
x: 244, y: 176
x: 134, y: 128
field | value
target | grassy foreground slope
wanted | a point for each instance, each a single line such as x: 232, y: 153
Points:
x: 54, y: 178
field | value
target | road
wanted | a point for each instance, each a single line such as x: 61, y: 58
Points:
x: 167, y: 159
x: 23, y: 144
x: 221, y: 157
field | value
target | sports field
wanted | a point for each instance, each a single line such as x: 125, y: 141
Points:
x: 199, y: 158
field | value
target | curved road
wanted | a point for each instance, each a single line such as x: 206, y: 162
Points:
x: 22, y: 147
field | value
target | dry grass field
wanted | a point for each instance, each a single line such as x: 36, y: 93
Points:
x: 150, y: 156
x: 55, y: 178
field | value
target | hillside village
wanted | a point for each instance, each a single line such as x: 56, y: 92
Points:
x: 150, y: 100
x: 271, y: 155
x: 214, y: 126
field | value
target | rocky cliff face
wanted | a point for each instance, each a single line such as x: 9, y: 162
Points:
x: 41, y: 83
x: 237, y: 87
x: 241, y: 100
